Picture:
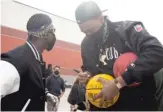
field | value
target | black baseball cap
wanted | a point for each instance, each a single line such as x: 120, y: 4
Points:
x: 86, y: 11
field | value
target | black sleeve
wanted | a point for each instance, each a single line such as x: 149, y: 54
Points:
x: 85, y: 63
x: 47, y: 82
x: 63, y: 85
x: 84, y: 66
x: 149, y: 51
x: 72, y: 98
x: 46, y: 73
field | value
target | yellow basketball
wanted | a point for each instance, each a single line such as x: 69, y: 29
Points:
x: 93, y: 87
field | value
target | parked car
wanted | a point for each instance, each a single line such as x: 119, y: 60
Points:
x: 68, y: 85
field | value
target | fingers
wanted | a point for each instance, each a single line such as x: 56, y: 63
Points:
x: 98, y: 95
x: 101, y: 102
x: 84, y: 74
x: 83, y: 77
x: 101, y: 80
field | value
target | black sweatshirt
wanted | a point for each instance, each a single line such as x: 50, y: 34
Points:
x: 99, y: 57
x: 146, y: 46
x: 55, y: 84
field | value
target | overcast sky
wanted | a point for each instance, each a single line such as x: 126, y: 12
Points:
x: 148, y: 11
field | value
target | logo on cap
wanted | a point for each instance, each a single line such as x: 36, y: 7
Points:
x: 138, y: 28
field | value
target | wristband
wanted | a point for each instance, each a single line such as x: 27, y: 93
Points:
x: 46, y: 92
x: 119, y: 86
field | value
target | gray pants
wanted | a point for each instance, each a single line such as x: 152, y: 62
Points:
x: 52, y: 107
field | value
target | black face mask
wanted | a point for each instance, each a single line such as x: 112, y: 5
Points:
x: 56, y: 72
x: 51, y: 44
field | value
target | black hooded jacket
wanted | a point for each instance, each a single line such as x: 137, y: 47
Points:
x: 127, y: 36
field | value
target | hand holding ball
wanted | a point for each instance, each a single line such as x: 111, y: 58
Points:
x: 122, y: 63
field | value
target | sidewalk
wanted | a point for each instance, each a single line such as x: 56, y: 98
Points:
x: 64, y: 106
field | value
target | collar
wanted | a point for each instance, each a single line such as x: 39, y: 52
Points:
x: 34, y: 50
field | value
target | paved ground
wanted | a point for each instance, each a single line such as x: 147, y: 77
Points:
x: 64, y: 105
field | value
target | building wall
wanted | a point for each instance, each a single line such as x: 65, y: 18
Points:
x: 15, y: 15
x: 13, y: 33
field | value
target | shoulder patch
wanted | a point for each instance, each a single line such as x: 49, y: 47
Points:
x: 138, y: 28
x: 127, y: 24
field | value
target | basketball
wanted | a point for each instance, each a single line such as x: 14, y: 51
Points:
x: 94, y: 87
x: 122, y: 63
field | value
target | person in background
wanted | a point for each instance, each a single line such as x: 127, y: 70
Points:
x: 21, y: 69
x: 49, y: 70
x: 76, y: 97
x: 56, y: 86
x: 104, y: 42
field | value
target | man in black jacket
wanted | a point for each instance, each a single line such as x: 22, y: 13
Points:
x: 105, y: 41
x: 22, y: 69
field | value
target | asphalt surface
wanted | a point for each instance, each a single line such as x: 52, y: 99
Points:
x: 64, y: 106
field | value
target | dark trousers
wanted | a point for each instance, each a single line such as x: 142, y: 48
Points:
x: 136, y: 106
x: 159, y: 84
x: 131, y: 100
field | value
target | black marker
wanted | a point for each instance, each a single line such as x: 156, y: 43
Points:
x: 77, y: 71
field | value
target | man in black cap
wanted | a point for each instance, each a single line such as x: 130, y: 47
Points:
x: 105, y: 41
x: 22, y: 69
